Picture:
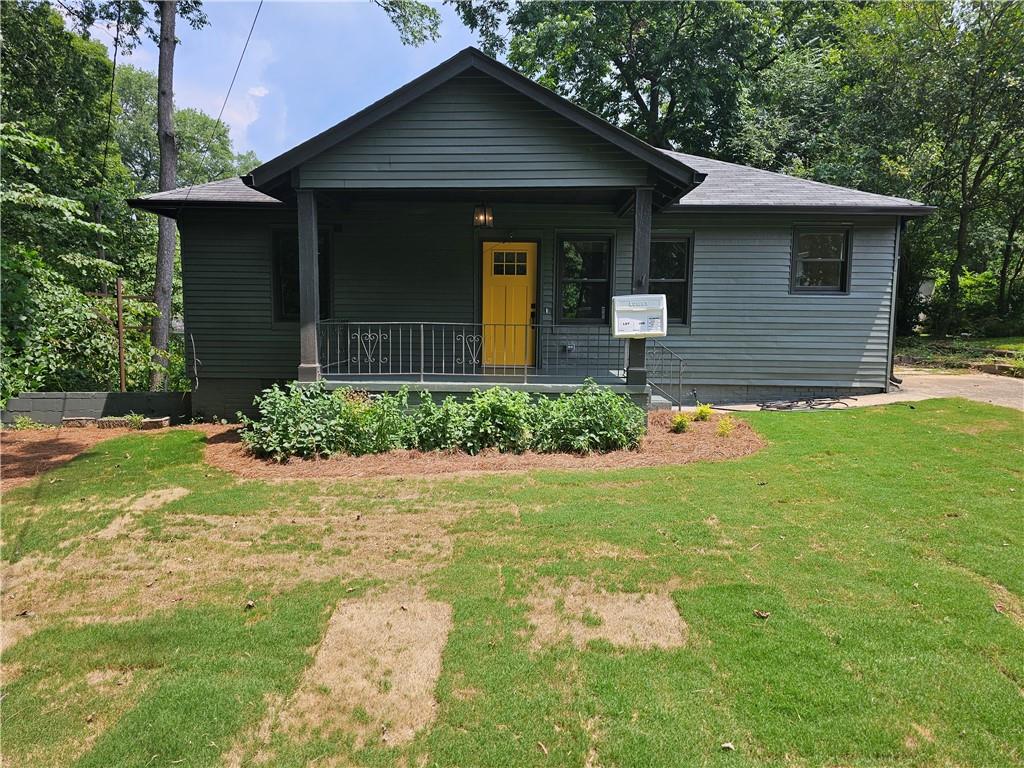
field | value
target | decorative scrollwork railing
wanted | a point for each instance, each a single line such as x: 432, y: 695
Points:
x: 495, y: 350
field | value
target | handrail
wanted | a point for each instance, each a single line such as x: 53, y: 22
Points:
x: 665, y: 369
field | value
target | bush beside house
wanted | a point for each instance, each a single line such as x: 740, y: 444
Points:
x: 310, y: 420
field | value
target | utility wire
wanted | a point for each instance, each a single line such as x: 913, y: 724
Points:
x: 227, y: 95
x: 110, y: 103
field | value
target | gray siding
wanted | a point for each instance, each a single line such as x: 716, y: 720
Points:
x: 747, y: 328
x: 226, y: 283
x: 473, y: 131
x: 424, y: 265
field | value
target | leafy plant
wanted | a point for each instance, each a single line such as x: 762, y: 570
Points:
x: 25, y: 422
x: 681, y: 422
x: 134, y: 420
x: 725, y: 427
x: 593, y: 418
x: 440, y: 427
x: 703, y: 411
x: 498, y: 418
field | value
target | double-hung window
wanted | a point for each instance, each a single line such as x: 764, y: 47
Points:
x: 584, y: 278
x: 285, y: 275
x: 821, y: 260
x: 670, y: 275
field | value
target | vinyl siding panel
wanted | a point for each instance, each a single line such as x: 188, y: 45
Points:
x: 423, y: 263
x: 472, y: 132
x: 747, y: 328
x: 226, y: 283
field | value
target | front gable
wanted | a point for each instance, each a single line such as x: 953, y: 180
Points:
x: 472, y: 122
x: 473, y: 131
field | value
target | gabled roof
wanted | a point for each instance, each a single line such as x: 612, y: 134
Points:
x: 229, y: 193
x: 271, y: 171
x: 704, y: 184
x: 728, y: 186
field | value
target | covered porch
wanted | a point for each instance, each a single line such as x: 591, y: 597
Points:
x: 481, y: 287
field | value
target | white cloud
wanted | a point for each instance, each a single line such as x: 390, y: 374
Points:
x: 259, y: 91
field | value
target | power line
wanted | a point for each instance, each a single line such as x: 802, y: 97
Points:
x: 110, y: 103
x: 227, y: 95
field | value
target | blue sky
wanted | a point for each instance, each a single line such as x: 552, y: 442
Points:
x: 308, y: 66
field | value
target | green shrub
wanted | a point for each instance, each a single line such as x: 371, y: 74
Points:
x: 440, y: 427
x: 309, y: 420
x: 498, y: 418
x: 298, y: 420
x: 134, y: 420
x: 681, y: 422
x: 703, y: 411
x: 725, y: 426
x: 592, y: 418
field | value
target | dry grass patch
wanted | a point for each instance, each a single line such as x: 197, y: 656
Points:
x: 375, y: 671
x: 109, y: 574
x: 581, y: 614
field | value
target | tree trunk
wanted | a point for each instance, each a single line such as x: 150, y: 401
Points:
x: 953, y: 291
x: 1004, y: 268
x: 164, y: 282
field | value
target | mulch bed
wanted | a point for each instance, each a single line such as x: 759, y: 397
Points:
x: 661, y: 447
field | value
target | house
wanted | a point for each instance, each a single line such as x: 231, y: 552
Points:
x: 472, y: 227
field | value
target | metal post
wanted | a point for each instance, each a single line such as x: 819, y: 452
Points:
x: 423, y: 343
x: 120, y: 335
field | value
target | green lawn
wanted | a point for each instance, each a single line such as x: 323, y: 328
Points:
x: 886, y: 546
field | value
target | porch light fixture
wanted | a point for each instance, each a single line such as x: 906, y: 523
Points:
x: 483, y: 216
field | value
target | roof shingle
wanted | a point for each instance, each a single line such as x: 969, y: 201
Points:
x: 728, y: 185
x: 231, y: 191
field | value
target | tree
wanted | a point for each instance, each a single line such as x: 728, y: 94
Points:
x: 935, y: 104
x: 670, y: 72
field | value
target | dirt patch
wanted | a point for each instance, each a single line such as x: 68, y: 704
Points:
x: 625, y: 619
x: 375, y: 671
x: 108, y: 678
x: 659, y: 447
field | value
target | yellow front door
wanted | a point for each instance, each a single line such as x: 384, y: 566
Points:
x: 509, y: 303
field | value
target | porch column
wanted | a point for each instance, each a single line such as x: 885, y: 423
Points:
x: 636, y: 356
x: 309, y: 287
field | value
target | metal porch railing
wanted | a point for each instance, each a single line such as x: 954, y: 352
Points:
x: 503, y: 352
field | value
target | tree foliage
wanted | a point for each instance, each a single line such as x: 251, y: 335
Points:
x: 923, y: 100
x: 205, y: 151
x: 67, y: 231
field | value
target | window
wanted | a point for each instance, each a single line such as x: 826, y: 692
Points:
x: 509, y: 262
x: 286, y: 275
x: 670, y: 275
x: 584, y: 278
x: 821, y: 260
